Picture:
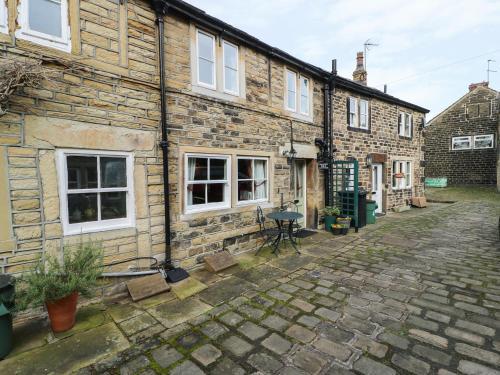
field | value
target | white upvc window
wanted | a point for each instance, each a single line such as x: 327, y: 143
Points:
x: 205, y: 50
x: 253, y: 180
x: 231, y: 74
x: 353, y: 112
x: 45, y: 22
x: 363, y: 114
x: 291, y: 90
x: 483, y: 141
x: 402, y: 174
x: 461, y: 143
x: 304, y: 95
x: 207, y: 182
x: 4, y: 25
x: 405, y: 124
x: 96, y: 190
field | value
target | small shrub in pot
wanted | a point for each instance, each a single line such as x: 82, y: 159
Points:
x: 57, y: 283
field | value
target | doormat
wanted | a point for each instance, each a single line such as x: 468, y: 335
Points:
x: 303, y: 233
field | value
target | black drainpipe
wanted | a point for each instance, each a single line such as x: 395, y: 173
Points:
x: 328, y: 134
x: 172, y: 274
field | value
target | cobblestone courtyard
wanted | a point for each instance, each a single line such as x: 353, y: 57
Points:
x: 418, y: 292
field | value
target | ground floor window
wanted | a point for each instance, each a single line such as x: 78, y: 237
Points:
x: 96, y: 190
x: 252, y: 180
x: 208, y: 185
x: 401, y: 174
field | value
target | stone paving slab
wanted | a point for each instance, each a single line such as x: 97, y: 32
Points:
x: 177, y: 312
x: 225, y: 290
x: 69, y: 354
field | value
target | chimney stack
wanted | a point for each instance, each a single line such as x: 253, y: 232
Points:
x: 472, y: 86
x: 360, y: 74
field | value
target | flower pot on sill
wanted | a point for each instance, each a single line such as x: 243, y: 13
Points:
x: 62, y: 312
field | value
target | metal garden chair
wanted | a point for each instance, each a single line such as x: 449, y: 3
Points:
x: 268, y: 234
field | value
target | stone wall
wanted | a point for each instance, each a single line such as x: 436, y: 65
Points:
x: 463, y: 166
x: 381, y: 138
x: 101, y: 96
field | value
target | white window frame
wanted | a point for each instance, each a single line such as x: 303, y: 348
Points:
x: 307, y: 96
x: 353, y: 112
x: 467, y: 138
x: 484, y: 136
x: 253, y: 201
x: 237, y: 92
x: 365, y: 115
x: 227, y: 191
x: 62, y: 43
x: 406, y: 123
x: 405, y: 167
x: 99, y: 225
x: 4, y: 19
x: 295, y: 91
x: 214, y: 62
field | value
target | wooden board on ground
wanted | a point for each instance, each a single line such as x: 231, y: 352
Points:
x: 219, y: 261
x: 419, y: 202
x: 147, y: 286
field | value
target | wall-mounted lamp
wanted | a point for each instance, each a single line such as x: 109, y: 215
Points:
x: 369, y: 160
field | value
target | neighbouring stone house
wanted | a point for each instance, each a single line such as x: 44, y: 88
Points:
x: 461, y: 142
x: 80, y: 155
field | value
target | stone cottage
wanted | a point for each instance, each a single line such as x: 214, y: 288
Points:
x: 81, y: 155
x: 461, y: 142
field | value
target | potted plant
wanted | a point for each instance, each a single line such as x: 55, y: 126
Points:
x: 57, y: 283
x: 336, y: 229
x: 331, y: 213
x: 344, y: 220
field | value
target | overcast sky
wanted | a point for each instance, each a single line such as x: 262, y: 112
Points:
x: 429, y: 50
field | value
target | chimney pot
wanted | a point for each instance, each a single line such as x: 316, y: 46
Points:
x: 360, y: 74
x: 473, y: 86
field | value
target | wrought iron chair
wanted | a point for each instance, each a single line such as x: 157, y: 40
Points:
x: 296, y: 227
x: 268, y: 234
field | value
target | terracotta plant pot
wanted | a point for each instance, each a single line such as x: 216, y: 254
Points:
x: 62, y: 312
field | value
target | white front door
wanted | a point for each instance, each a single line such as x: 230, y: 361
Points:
x: 377, y: 185
x: 299, y: 189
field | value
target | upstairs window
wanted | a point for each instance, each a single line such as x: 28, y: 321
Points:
x: 405, y: 124
x: 291, y: 90
x: 461, y: 143
x: 207, y: 182
x: 4, y: 28
x: 304, y: 95
x: 401, y: 175
x: 252, y: 180
x: 96, y: 190
x: 358, y: 113
x: 483, y: 141
x: 206, y: 59
x: 45, y: 22
x: 230, y: 53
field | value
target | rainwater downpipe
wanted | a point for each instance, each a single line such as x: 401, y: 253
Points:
x: 161, y: 11
x: 328, y: 134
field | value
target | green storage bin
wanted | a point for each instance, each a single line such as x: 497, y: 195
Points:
x: 371, y: 207
x: 5, y: 331
x: 7, y: 291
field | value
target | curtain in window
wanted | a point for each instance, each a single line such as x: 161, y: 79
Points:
x: 190, y: 176
x: 260, y: 179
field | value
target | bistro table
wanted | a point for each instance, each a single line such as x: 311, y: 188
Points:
x: 284, y: 231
